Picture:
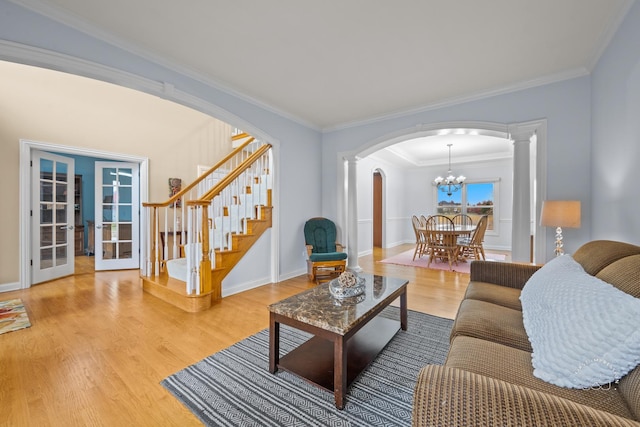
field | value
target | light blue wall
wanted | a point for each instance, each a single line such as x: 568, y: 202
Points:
x: 616, y: 136
x: 566, y: 107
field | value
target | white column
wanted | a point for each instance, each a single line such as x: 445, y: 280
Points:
x: 521, y: 224
x: 352, y: 214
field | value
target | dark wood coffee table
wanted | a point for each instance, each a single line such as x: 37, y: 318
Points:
x: 348, y: 334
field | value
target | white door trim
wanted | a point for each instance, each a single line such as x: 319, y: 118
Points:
x: 25, y: 194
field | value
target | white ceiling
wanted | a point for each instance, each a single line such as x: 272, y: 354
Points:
x: 333, y: 63
x: 433, y: 150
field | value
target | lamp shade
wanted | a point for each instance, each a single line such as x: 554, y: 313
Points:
x: 560, y: 213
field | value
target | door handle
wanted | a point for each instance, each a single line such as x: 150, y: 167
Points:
x: 98, y: 227
x: 66, y: 227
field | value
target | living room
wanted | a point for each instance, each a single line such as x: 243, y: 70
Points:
x: 578, y: 111
x: 592, y: 145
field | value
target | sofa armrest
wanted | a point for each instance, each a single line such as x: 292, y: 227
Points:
x: 453, y: 397
x: 502, y: 273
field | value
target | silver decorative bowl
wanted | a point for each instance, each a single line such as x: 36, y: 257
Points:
x: 339, y: 291
x: 349, y: 301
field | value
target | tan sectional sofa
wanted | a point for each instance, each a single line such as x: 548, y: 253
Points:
x: 488, y: 380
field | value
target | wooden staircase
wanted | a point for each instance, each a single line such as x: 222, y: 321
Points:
x: 216, y: 244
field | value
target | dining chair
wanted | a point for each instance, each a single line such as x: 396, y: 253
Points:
x: 441, y: 240
x: 472, y: 247
x: 421, y: 241
x: 463, y: 220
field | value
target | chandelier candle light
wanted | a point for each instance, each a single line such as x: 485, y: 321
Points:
x: 450, y: 184
x: 560, y: 213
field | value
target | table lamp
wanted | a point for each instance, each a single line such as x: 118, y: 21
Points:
x: 560, y: 213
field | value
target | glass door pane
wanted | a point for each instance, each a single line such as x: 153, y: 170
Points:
x: 51, y: 232
x: 117, y: 233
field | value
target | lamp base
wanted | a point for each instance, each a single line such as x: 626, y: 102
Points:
x: 559, y: 251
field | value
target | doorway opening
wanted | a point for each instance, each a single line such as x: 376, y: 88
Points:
x: 378, y: 203
x: 28, y: 214
x: 529, y: 135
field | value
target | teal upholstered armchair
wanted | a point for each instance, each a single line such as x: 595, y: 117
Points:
x: 325, y: 256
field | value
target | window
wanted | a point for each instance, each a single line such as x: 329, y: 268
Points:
x: 474, y: 199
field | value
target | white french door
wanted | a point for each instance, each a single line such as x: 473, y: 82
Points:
x: 52, y: 216
x: 117, y: 216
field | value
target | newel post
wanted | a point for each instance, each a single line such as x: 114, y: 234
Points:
x: 205, y: 264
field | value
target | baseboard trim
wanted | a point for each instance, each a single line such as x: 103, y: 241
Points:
x: 7, y: 287
x: 241, y: 287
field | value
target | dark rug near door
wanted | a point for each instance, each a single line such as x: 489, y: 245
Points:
x: 234, y: 387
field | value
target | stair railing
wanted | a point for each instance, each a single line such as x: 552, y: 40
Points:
x: 167, y: 219
x: 222, y: 212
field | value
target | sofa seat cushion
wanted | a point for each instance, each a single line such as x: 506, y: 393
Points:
x: 446, y: 396
x: 514, y: 366
x: 495, y: 294
x: 481, y: 319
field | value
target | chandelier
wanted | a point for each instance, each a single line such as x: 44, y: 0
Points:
x: 450, y: 184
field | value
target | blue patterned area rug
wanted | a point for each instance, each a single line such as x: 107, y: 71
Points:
x: 234, y: 387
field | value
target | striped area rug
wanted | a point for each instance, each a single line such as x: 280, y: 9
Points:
x: 234, y: 387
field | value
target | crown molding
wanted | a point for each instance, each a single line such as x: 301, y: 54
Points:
x: 553, y: 78
x: 79, y: 24
x: 29, y: 55
x: 609, y: 34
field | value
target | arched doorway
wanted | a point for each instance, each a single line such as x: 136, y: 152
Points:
x: 378, y: 186
x: 531, y: 182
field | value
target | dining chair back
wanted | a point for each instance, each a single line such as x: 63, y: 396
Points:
x: 462, y: 220
x: 473, y: 247
x: 441, y: 239
x: 421, y: 241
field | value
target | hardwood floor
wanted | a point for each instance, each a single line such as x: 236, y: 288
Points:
x: 98, y: 346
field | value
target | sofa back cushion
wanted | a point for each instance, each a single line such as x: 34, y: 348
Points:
x: 629, y: 388
x: 598, y: 254
x: 624, y: 274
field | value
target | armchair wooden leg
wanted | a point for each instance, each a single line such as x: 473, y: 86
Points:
x: 326, y: 271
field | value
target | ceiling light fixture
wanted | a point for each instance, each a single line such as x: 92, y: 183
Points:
x: 450, y: 184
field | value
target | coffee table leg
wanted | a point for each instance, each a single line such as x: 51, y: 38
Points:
x: 274, y: 344
x: 403, y: 310
x: 339, y: 371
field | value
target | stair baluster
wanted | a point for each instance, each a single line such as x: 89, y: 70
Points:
x: 214, y: 209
